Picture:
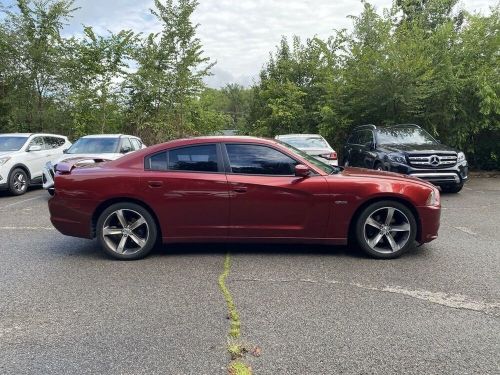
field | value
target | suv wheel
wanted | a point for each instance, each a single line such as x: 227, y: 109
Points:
x: 386, y: 229
x: 452, y: 188
x: 127, y: 231
x: 18, y: 182
x: 378, y: 166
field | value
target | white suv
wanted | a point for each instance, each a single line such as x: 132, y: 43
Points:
x: 23, y: 156
x: 93, y: 148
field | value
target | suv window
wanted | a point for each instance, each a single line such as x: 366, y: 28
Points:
x: 126, y: 145
x: 53, y: 142
x: 135, y: 143
x: 365, y: 136
x: 353, y: 139
x: 201, y: 158
x: 38, y: 141
x: 255, y: 159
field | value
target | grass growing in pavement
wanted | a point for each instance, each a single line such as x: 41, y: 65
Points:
x: 239, y: 368
x: 235, y: 349
x: 234, y: 317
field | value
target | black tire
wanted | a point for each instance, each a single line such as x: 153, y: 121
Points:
x: 453, y: 189
x: 402, y: 218
x: 378, y: 166
x: 146, y: 233
x: 18, y: 182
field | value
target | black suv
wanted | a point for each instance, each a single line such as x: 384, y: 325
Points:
x: 406, y: 149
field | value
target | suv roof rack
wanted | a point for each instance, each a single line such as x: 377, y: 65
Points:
x: 367, y: 126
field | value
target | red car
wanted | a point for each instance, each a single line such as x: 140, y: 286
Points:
x: 239, y: 189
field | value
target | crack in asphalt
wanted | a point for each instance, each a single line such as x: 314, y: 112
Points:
x: 455, y: 301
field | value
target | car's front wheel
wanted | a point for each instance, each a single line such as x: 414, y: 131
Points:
x: 18, y: 182
x: 386, y: 229
x: 127, y: 231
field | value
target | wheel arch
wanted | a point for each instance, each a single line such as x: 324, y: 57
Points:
x: 20, y: 166
x: 101, y: 207
x: 359, y: 210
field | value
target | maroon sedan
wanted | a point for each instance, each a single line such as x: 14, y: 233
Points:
x: 239, y: 189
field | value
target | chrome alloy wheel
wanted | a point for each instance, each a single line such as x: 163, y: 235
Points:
x: 387, y: 230
x: 19, y: 182
x: 125, y: 231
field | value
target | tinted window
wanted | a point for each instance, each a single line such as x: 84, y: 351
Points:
x: 53, y: 142
x: 194, y: 158
x: 353, y: 139
x: 94, y: 146
x: 158, y: 162
x: 12, y: 143
x: 254, y: 159
x: 365, y: 136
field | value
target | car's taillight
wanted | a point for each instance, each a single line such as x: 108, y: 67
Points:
x: 330, y: 156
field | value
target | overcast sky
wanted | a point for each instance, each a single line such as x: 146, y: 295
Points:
x: 238, y: 34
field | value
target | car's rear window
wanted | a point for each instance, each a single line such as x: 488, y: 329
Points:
x: 302, y: 142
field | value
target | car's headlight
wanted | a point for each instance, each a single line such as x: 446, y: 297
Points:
x: 4, y: 160
x: 398, y: 158
x: 460, y: 157
x: 433, y: 198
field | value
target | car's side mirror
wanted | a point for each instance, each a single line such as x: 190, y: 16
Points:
x: 125, y: 149
x: 35, y: 148
x: 370, y: 145
x: 302, y: 171
x: 65, y: 150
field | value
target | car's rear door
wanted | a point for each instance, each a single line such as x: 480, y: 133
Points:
x: 268, y: 200
x: 188, y: 189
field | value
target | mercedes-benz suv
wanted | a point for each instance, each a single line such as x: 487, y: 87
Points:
x: 406, y: 149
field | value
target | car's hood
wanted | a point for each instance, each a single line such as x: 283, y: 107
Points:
x: 108, y: 156
x: 6, y: 153
x: 370, y: 173
x: 416, y: 148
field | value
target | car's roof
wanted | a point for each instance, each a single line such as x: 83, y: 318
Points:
x: 32, y: 134
x: 299, y: 136
x: 104, y: 136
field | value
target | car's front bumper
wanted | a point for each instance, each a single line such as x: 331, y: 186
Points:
x: 429, y: 217
x: 455, y: 175
x: 48, y: 177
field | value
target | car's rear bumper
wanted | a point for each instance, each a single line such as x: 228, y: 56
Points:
x: 429, y: 217
x: 71, y: 217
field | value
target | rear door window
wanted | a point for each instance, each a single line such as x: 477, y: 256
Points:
x: 202, y: 158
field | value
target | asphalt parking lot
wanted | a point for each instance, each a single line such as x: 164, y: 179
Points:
x: 66, y: 308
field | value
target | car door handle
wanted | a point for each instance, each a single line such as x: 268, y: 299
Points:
x: 155, y: 184
x: 240, y: 189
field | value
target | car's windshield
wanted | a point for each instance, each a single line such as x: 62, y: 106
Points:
x: 404, y: 135
x: 12, y: 143
x: 323, y: 166
x: 94, y: 146
x: 302, y: 142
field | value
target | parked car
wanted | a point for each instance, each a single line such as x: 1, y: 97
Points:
x: 22, y: 157
x: 91, y: 148
x: 239, y: 189
x: 407, y: 149
x: 312, y: 144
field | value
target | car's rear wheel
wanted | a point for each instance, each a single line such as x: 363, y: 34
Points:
x: 378, y: 166
x: 18, y: 182
x: 127, y: 231
x: 386, y: 229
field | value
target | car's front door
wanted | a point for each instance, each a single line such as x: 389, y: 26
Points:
x: 188, y: 189
x: 268, y: 200
x: 36, y: 159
